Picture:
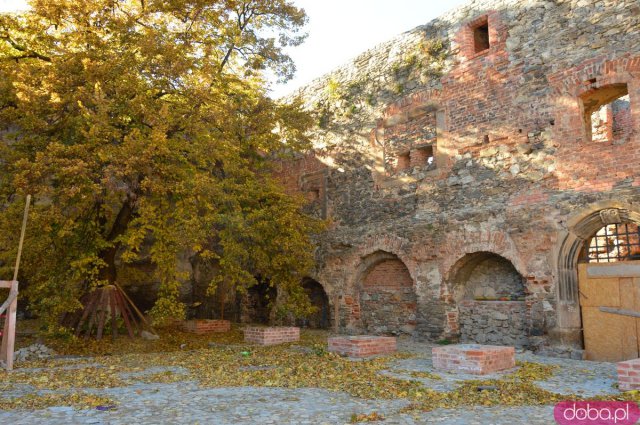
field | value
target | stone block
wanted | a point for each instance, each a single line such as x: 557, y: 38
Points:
x: 271, y: 335
x: 473, y: 358
x: 362, y: 345
x: 629, y: 375
x: 204, y: 326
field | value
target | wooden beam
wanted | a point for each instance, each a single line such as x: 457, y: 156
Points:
x: 9, y: 333
x: 620, y: 311
x: 7, y: 284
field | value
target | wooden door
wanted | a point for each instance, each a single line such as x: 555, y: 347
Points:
x: 610, y: 335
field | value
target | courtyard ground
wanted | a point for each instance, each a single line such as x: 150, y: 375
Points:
x: 184, y: 378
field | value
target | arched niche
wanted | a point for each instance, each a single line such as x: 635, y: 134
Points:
x: 388, y: 300
x: 490, y: 295
x: 321, y: 318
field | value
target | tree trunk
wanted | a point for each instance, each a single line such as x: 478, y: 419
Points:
x: 108, y: 255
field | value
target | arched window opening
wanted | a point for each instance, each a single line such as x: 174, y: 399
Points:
x: 612, y: 243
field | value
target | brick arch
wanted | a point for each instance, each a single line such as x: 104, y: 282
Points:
x: 462, y: 273
x: 386, y: 295
x: 487, y: 293
x: 461, y: 244
x: 374, y: 247
x: 595, y: 73
x: 322, y: 277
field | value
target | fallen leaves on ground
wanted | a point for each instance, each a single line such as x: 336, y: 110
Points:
x: 515, y: 389
x: 229, y: 362
x: 171, y: 339
x: 364, y: 417
x: 64, y: 379
x: 419, y: 374
x: 78, y: 400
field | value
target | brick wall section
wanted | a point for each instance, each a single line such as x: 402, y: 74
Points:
x: 474, y: 359
x: 629, y: 375
x: 271, y: 335
x: 621, y: 117
x: 405, y: 133
x: 389, y: 274
x: 362, y: 346
x: 206, y: 326
x: 388, y: 300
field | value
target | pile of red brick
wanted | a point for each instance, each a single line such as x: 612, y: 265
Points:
x: 629, y: 375
x: 362, y: 345
x: 271, y: 335
x: 204, y: 326
x: 473, y: 358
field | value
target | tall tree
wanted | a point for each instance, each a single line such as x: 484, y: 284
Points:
x: 142, y: 128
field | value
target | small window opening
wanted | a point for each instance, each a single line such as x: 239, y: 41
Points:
x: 608, y: 114
x: 612, y: 243
x: 481, y: 37
x: 422, y: 157
x: 404, y: 161
x: 313, y: 195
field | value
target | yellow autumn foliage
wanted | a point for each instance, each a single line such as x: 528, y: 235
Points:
x: 144, y: 132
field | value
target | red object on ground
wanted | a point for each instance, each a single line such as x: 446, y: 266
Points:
x: 362, y: 345
x: 476, y: 359
x: 204, y: 326
x: 629, y: 375
x: 271, y: 335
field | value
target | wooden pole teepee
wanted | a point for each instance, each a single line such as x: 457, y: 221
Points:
x: 106, y: 305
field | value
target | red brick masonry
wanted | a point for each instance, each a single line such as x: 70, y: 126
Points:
x: 473, y: 358
x: 362, y: 345
x: 203, y: 326
x: 271, y: 336
x: 629, y: 375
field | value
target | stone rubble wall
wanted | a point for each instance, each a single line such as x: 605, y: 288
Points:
x: 494, y: 322
x: 513, y: 167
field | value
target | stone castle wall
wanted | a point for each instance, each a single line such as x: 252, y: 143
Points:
x: 432, y: 148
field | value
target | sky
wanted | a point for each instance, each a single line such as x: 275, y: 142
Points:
x: 339, y: 30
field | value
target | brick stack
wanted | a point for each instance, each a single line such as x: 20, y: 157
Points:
x: 629, y: 375
x: 204, y: 326
x: 271, y: 335
x: 473, y: 358
x: 362, y: 346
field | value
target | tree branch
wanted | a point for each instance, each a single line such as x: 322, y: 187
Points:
x: 28, y: 53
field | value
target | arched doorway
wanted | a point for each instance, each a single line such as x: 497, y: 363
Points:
x: 388, y: 300
x: 259, y: 302
x: 318, y: 297
x: 490, y: 295
x: 609, y: 291
x: 582, y: 269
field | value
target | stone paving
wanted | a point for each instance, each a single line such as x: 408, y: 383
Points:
x: 187, y: 403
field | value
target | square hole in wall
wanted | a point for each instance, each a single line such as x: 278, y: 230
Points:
x: 481, y: 37
x: 607, y: 113
x: 404, y: 161
x: 422, y: 157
